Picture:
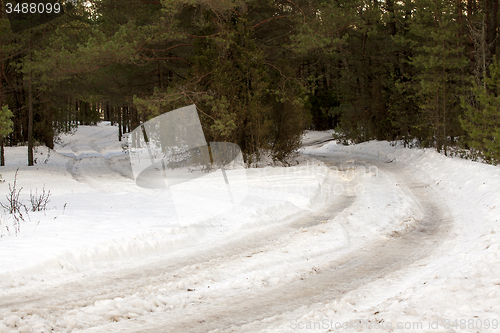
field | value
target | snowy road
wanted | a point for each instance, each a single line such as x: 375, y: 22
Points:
x: 251, y: 311
x: 380, y: 242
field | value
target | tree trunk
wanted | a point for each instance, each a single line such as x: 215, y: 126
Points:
x: 84, y: 109
x: 392, y: 20
x: 2, y: 152
x: 111, y: 114
x: 119, y: 110
x: 124, y: 119
x: 107, y: 117
x: 444, y: 100
x: 77, y: 112
x: 470, y: 44
x: 30, y: 112
x: 490, y: 22
x: 30, y: 122
x: 493, y: 28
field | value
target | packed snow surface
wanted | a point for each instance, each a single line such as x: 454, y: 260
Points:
x: 369, y: 237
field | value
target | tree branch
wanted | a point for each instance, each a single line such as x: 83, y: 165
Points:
x: 167, y: 49
x: 269, y: 19
x: 304, y: 15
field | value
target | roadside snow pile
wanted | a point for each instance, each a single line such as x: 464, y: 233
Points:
x: 294, y: 222
x: 311, y: 137
x: 97, y: 214
x: 457, y: 289
x: 100, y: 220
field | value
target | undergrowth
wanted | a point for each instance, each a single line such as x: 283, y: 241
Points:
x: 17, y: 210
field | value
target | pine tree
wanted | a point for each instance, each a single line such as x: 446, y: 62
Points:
x: 351, y: 58
x: 239, y: 75
x: 482, y: 119
x: 5, y: 129
x: 439, y: 63
x: 5, y: 121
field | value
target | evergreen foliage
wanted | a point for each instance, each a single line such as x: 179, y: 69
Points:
x: 261, y: 71
x: 247, y: 95
x: 482, y: 118
x: 5, y: 121
x: 439, y: 62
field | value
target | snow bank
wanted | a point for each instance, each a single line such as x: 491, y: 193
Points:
x: 294, y: 222
x: 99, y: 220
x: 457, y: 288
x: 97, y: 214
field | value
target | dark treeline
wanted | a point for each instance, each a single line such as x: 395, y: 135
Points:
x: 261, y: 71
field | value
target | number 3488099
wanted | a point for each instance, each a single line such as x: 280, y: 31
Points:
x: 32, y: 8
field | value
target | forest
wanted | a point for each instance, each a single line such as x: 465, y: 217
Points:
x: 421, y: 72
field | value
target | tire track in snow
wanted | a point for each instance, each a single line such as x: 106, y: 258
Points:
x: 251, y: 312
x: 244, y: 310
x: 56, y: 302
x: 85, y: 152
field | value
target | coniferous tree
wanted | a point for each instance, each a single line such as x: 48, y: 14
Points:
x: 482, y: 119
x: 259, y: 71
x: 5, y: 129
x: 238, y: 76
x: 439, y: 62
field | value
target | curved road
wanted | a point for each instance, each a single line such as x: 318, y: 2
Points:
x: 246, y: 311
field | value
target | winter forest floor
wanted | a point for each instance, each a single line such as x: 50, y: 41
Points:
x: 369, y: 237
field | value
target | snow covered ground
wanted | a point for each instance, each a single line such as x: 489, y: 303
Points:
x: 368, y: 237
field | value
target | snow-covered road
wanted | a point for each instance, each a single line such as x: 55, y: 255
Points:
x: 370, y: 237
x: 252, y: 310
